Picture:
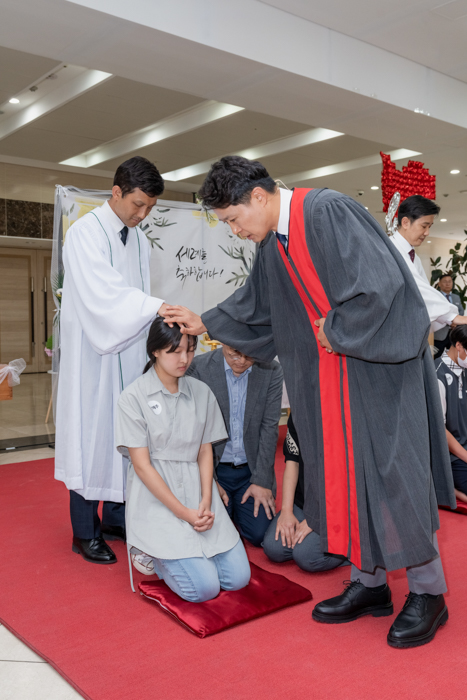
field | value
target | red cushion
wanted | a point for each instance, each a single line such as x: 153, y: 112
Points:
x: 265, y: 594
x: 461, y: 507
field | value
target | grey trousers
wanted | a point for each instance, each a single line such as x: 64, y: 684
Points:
x: 307, y: 555
x: 424, y: 578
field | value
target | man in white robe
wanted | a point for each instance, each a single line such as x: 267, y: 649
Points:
x: 415, y: 218
x: 105, y: 313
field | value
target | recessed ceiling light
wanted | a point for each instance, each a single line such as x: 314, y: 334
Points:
x: 443, y: 220
x: 14, y: 101
x: 455, y: 172
x: 375, y: 187
x: 366, y: 208
x: 428, y: 241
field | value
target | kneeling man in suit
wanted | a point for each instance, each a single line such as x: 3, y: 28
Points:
x: 249, y: 394
x: 442, y: 341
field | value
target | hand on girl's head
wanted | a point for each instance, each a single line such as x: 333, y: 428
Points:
x: 169, y: 349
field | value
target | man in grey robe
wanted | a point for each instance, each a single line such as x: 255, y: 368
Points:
x: 332, y: 297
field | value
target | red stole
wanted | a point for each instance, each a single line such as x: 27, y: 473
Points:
x: 339, y: 469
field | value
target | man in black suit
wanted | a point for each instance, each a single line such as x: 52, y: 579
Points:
x: 249, y: 395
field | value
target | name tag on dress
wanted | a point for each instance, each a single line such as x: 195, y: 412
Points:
x: 156, y: 407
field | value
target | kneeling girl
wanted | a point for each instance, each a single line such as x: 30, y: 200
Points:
x: 166, y: 423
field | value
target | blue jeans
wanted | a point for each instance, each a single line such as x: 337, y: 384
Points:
x: 198, y: 579
x: 236, y: 482
x: 307, y: 555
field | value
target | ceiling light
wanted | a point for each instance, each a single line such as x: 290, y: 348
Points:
x: 428, y: 241
x: 366, y: 208
x: 455, y: 172
x: 375, y: 187
x: 443, y: 220
x: 14, y: 101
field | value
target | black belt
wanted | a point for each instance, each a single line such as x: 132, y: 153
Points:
x: 233, y: 465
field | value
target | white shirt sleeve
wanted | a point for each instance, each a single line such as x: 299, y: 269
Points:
x: 442, y: 393
x: 112, y: 314
x: 440, y: 310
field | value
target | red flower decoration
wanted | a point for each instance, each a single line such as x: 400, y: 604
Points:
x: 414, y: 178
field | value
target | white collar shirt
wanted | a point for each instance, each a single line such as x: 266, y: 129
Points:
x: 440, y: 310
x: 284, y: 215
x: 111, y: 219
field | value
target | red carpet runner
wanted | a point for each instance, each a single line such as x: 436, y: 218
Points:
x: 111, y: 644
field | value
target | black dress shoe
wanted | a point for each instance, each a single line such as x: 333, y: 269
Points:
x: 418, y: 621
x: 95, y: 550
x: 113, y: 532
x: 355, y: 601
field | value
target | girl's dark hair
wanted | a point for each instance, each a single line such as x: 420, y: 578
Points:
x: 459, y: 335
x: 231, y: 181
x: 162, y: 336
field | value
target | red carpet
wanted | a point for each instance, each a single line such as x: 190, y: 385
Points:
x: 111, y: 644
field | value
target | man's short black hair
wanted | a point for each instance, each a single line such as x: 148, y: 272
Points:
x: 459, y: 335
x: 446, y: 274
x: 417, y: 206
x: 139, y: 173
x: 231, y: 181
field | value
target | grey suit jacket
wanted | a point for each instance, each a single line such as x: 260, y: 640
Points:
x: 442, y: 333
x: 262, y: 411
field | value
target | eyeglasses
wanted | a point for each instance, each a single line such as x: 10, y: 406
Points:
x: 238, y: 357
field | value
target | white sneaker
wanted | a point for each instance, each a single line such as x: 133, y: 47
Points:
x: 142, y: 562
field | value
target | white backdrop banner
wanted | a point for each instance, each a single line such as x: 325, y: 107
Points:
x: 196, y: 261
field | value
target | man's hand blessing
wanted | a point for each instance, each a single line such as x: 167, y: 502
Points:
x: 189, y: 322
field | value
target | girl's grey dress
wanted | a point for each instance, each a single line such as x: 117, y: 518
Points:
x: 173, y: 427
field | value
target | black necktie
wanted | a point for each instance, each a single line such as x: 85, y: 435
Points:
x: 124, y: 234
x: 283, y: 240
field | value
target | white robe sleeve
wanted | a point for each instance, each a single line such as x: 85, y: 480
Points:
x: 440, y: 310
x: 111, y: 313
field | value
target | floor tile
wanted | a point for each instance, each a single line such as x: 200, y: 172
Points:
x: 31, y: 681
x: 13, y: 649
x: 15, y: 456
x: 26, y: 676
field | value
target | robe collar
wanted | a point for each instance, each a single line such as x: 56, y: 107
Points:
x: 154, y: 385
x: 284, y: 214
x: 112, y: 222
